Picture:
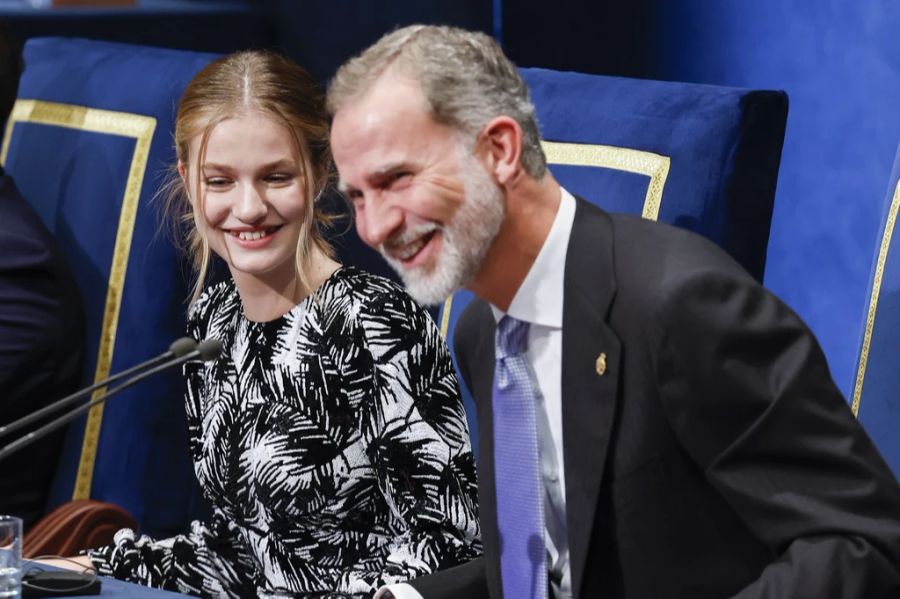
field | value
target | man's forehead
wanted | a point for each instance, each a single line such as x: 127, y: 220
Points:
x: 393, y: 96
x: 387, y: 125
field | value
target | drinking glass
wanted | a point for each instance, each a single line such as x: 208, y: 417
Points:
x: 10, y: 556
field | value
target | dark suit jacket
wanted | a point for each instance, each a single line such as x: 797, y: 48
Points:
x: 714, y: 457
x: 41, y: 342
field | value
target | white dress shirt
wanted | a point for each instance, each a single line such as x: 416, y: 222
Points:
x: 539, y: 302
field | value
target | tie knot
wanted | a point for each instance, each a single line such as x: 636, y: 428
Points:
x: 512, y: 337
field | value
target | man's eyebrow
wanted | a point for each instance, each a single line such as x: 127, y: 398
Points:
x: 376, y: 176
x: 387, y: 169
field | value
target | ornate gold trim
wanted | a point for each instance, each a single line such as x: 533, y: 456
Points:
x: 140, y: 128
x: 655, y: 166
x: 873, y: 301
x: 445, y: 316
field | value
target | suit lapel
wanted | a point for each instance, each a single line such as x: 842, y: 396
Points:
x: 588, y: 399
x: 590, y: 360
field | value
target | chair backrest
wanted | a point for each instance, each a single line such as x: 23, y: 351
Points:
x: 876, y: 392
x: 89, y: 143
x: 697, y: 156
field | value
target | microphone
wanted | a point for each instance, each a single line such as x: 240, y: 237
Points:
x: 207, y: 350
x: 179, y: 347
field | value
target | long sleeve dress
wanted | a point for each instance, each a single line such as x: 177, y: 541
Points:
x: 332, y: 444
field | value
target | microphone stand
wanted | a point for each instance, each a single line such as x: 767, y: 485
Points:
x: 207, y: 350
x: 178, y: 348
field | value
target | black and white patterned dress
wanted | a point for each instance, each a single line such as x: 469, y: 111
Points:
x: 332, y: 444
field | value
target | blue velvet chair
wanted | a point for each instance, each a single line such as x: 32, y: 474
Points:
x: 700, y: 157
x: 88, y: 144
x: 876, y: 392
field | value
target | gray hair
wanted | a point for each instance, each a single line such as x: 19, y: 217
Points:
x: 464, y: 75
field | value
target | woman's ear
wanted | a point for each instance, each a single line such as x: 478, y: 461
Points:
x: 504, y: 139
x: 185, y: 181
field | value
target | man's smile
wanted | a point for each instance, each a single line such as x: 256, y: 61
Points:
x: 409, y: 245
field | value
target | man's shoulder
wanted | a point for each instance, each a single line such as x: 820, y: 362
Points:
x: 634, y: 234
x: 651, y: 266
x: 649, y: 252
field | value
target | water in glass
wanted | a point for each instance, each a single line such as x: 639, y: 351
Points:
x: 10, y: 556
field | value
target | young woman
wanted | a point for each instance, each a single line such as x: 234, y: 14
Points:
x: 329, y: 436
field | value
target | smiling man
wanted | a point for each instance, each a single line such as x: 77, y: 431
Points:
x: 654, y: 423
x: 448, y: 210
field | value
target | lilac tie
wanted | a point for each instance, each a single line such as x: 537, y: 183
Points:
x: 520, y: 514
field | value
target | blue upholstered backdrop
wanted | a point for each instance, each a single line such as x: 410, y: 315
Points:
x: 876, y: 390
x: 840, y: 64
x: 90, y: 142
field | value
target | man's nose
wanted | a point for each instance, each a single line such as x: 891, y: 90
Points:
x: 377, y: 222
x: 251, y: 206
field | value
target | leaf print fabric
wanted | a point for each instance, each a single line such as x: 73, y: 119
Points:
x: 332, y: 444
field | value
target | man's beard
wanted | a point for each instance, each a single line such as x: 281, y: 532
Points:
x: 466, y: 239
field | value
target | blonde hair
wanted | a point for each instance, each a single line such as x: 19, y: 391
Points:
x: 231, y: 86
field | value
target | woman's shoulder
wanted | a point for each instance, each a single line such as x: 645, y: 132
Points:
x: 357, y: 285
x: 369, y: 298
x: 377, y: 305
x: 218, y: 299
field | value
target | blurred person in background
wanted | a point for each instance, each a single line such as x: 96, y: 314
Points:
x: 41, y: 324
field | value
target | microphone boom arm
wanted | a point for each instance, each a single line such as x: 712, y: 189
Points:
x: 207, y: 350
x: 179, y: 348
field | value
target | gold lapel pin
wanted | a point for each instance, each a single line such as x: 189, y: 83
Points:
x: 600, y: 365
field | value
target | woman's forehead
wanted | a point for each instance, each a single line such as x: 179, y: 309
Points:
x: 246, y: 138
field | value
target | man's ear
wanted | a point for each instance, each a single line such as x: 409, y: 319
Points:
x: 504, y: 138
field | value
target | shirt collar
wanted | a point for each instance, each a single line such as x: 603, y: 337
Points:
x: 539, y: 299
